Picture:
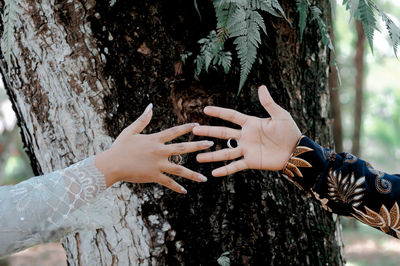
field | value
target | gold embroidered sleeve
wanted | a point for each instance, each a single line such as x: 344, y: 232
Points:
x: 346, y: 185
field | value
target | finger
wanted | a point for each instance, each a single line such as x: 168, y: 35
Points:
x: 217, y: 132
x: 269, y: 104
x: 226, y: 114
x: 187, y: 147
x: 231, y: 168
x: 143, y: 120
x: 174, y: 132
x: 170, y: 183
x: 221, y: 155
x: 179, y: 170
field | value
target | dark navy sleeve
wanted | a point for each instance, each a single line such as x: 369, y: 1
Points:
x: 346, y: 185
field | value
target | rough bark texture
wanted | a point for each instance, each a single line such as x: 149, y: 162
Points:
x: 335, y: 102
x: 337, y: 116
x: 83, y: 70
x: 358, y: 100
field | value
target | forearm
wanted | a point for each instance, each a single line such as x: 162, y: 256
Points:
x: 41, y: 209
x: 346, y: 185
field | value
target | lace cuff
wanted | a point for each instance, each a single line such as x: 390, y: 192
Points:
x: 46, y: 208
x: 83, y: 182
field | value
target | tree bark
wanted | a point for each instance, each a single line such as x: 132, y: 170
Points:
x: 83, y: 70
x: 358, y: 100
x: 335, y: 101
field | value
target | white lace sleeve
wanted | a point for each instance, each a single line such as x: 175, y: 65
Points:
x: 45, y: 208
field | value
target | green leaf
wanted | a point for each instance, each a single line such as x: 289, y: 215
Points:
x: 323, y: 27
x: 259, y: 20
x: 226, y: 61
x: 271, y: 6
x: 195, y: 7
x: 354, y: 4
x: 391, y: 27
x: 224, y: 260
x: 368, y: 20
x: 212, y: 55
x: 303, y: 9
x: 277, y: 6
x: 247, y: 44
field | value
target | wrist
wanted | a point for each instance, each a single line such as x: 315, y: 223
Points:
x: 107, y: 167
x: 292, y: 152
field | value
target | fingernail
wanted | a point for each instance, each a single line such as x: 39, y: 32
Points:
x: 208, y: 143
x: 202, y: 178
x: 215, y: 172
x: 196, y: 124
x: 183, y: 190
x: 148, y: 108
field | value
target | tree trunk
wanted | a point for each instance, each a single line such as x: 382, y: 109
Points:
x: 83, y: 70
x: 358, y: 100
x: 335, y: 102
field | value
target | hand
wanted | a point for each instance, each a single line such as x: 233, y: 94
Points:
x: 264, y: 143
x: 139, y: 158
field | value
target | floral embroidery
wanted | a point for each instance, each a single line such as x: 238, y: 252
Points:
x: 350, y: 158
x: 331, y: 155
x: 383, y: 185
x: 323, y: 201
x: 328, y: 154
x: 294, y: 182
x: 292, y: 167
x: 345, y: 188
x: 385, y: 220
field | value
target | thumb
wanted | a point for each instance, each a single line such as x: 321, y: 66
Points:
x: 269, y: 104
x: 142, y: 121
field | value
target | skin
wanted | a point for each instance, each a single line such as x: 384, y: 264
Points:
x: 140, y: 158
x: 264, y: 143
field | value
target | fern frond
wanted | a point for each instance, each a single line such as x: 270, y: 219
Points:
x: 394, y: 32
x: 9, y: 19
x: 220, y: 3
x: 257, y: 18
x: 368, y: 20
x: 112, y: 2
x: 277, y: 6
x: 303, y: 9
x: 271, y: 6
x: 392, y: 28
x: 224, y: 14
x: 323, y: 27
x: 264, y: 5
x: 240, y: 20
x: 237, y: 25
x: 325, y: 35
x: 212, y: 55
x: 223, y: 59
x: 247, y: 44
x: 352, y: 5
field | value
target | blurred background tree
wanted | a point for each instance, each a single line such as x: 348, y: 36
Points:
x: 379, y: 138
x: 14, y: 165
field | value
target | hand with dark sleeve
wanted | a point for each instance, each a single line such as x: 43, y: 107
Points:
x: 342, y: 183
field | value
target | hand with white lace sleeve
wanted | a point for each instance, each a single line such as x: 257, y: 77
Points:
x: 45, y: 208
x: 341, y: 182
